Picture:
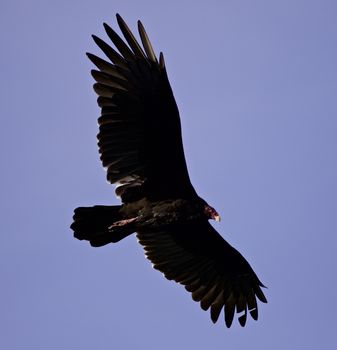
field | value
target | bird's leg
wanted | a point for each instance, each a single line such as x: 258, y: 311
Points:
x: 122, y: 223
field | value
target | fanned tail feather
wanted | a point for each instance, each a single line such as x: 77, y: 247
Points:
x: 92, y: 224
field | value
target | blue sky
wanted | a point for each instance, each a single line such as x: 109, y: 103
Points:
x: 256, y: 85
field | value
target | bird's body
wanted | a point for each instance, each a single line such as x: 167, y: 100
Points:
x: 160, y: 213
x: 141, y: 147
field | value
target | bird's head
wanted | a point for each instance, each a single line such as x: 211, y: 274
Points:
x: 211, y: 213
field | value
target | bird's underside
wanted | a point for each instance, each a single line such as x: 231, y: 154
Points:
x: 141, y: 147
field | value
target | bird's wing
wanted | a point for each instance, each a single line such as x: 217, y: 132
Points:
x: 217, y: 275
x: 139, y: 135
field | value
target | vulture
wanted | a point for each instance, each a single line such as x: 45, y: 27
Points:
x: 140, y: 146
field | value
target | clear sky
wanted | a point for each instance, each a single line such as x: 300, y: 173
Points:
x: 256, y: 85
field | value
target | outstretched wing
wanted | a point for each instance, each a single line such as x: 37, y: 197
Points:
x: 139, y: 129
x: 217, y: 275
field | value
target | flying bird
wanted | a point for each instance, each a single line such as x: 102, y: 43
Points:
x: 140, y: 145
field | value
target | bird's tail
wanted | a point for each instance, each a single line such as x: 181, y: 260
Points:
x: 92, y: 224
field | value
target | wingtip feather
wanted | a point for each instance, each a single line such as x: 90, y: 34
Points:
x: 161, y: 60
x: 215, y: 311
x: 130, y: 38
x: 146, y: 43
x: 243, y: 319
x: 254, y: 314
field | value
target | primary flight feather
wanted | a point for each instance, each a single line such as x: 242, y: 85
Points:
x: 141, y: 148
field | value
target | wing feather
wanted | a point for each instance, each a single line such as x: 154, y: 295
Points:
x: 195, y: 255
x: 105, y: 66
x: 142, y: 142
x: 104, y: 78
x: 136, y: 48
x: 119, y: 43
x: 146, y: 43
x: 110, y: 53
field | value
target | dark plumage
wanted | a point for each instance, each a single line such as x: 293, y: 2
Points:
x: 141, y: 147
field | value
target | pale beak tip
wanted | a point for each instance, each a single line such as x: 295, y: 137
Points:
x: 217, y: 218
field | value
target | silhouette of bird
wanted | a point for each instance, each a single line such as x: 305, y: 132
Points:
x: 141, y: 147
